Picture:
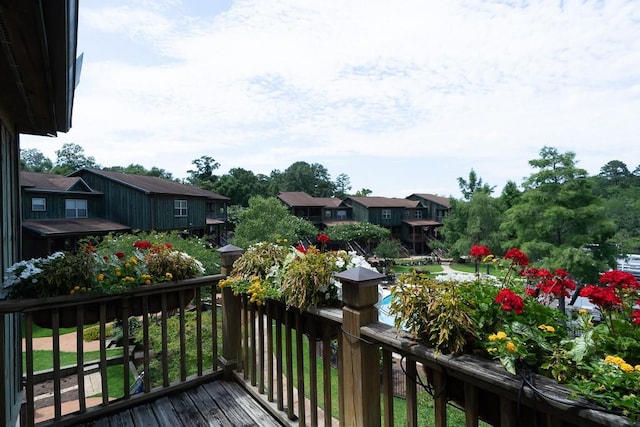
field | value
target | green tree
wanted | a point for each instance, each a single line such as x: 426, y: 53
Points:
x: 363, y: 233
x: 71, y: 157
x: 473, y: 184
x: 267, y: 219
x: 239, y: 185
x: 474, y: 222
x: 342, y: 186
x: 364, y: 192
x: 33, y: 160
x: 388, y: 249
x: 137, y: 169
x: 203, y: 175
x: 558, y: 210
x: 313, y: 179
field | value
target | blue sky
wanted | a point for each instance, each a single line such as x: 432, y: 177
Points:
x: 403, y: 96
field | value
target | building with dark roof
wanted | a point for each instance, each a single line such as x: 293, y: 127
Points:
x: 150, y: 203
x: 59, y: 210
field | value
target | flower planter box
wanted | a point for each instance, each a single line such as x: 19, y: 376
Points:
x: 68, y: 307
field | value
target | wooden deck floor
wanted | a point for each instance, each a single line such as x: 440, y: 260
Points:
x: 218, y: 403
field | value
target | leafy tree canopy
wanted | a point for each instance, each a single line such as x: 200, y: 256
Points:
x: 71, y: 157
x: 32, y: 160
x: 267, y: 219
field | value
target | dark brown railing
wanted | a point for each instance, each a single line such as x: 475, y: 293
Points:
x: 371, y: 357
x: 287, y: 358
x: 154, y: 306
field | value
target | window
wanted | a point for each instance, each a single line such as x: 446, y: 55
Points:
x: 327, y: 214
x: 76, y: 208
x: 341, y: 214
x: 180, y: 208
x: 386, y: 213
x: 38, y: 204
x: 417, y: 214
x: 407, y: 213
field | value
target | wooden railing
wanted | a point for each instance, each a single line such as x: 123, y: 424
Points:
x: 329, y: 366
x: 153, y: 307
x: 369, y: 354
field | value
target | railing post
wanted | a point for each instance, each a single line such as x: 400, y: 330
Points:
x: 230, y: 314
x: 360, y: 358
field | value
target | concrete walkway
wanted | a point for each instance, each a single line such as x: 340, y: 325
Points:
x: 92, y: 381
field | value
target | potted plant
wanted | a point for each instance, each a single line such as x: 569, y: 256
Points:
x: 113, y: 265
x: 515, y: 318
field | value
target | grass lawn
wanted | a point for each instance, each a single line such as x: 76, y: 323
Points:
x: 471, y: 268
x: 39, y: 332
x: 431, y: 268
x: 43, y: 359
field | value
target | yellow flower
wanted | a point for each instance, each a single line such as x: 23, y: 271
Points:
x: 511, y: 347
x: 100, y: 277
x: 168, y: 275
x: 637, y: 368
x: 626, y: 367
x: 501, y: 335
x: 547, y: 328
x: 583, y: 311
x: 493, y: 337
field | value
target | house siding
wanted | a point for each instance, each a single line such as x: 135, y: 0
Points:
x: 143, y: 211
x: 125, y: 205
x: 10, y: 346
x: 56, y: 205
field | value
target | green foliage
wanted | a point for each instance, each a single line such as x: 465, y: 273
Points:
x: 436, y: 312
x: 267, y: 219
x: 70, y: 158
x: 361, y: 232
x: 33, y: 160
x: 173, y: 346
x: 558, y: 210
x: 388, y: 248
x: 92, y: 333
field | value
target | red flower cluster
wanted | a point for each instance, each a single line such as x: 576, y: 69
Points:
x: 120, y: 255
x: 302, y: 249
x: 619, y: 279
x: 635, y: 317
x: 142, y: 245
x: 479, y: 252
x: 557, y: 283
x: 323, y: 238
x: 517, y: 256
x: 603, y: 297
x: 510, y: 301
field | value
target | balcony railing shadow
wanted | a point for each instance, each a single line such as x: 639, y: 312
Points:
x: 323, y: 366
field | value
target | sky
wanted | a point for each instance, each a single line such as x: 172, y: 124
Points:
x: 402, y: 96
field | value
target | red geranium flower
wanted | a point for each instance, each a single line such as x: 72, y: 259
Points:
x: 603, y: 297
x: 323, y: 238
x: 557, y: 284
x: 142, y: 245
x: 510, y: 301
x: 301, y: 249
x: 619, y: 279
x: 635, y: 317
x: 119, y: 254
x: 479, y: 252
x: 517, y: 256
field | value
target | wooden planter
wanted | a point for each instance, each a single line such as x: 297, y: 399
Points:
x: 73, y: 310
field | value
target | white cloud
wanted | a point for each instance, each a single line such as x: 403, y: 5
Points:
x: 387, y: 92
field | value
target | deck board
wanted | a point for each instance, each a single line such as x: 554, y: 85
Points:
x: 218, y: 403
